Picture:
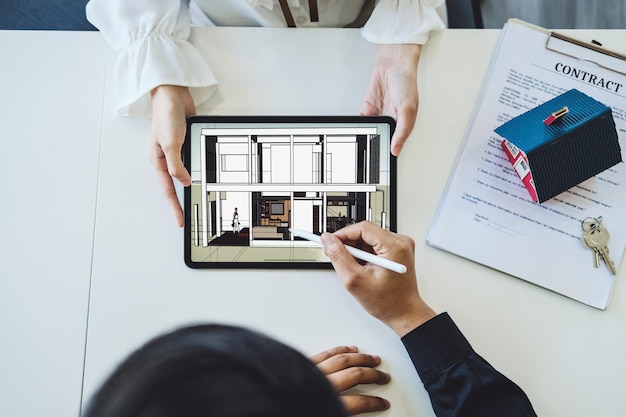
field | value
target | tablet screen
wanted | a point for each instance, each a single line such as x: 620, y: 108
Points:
x: 256, y: 177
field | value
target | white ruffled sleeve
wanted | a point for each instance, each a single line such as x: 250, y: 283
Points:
x: 151, y: 37
x: 403, y: 21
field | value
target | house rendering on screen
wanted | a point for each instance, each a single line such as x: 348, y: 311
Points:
x: 252, y: 184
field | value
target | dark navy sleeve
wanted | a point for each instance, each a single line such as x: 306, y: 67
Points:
x: 460, y: 382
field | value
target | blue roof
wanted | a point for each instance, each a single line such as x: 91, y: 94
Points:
x: 528, y: 131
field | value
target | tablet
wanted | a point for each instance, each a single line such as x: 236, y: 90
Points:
x: 253, y: 178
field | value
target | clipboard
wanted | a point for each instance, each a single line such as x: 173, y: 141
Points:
x: 594, y: 46
x: 486, y: 215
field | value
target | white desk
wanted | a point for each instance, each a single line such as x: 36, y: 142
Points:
x: 50, y: 107
x: 567, y: 357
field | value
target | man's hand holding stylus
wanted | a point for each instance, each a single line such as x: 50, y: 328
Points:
x: 392, y: 298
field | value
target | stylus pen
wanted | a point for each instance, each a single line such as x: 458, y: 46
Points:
x: 357, y: 253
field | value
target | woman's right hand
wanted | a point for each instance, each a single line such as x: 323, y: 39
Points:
x: 171, y: 105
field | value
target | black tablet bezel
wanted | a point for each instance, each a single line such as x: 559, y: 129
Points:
x: 274, y: 120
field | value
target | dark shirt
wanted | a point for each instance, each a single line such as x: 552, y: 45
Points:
x: 460, y: 382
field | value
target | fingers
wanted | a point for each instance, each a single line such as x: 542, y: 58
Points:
x: 170, y: 107
x: 358, y: 404
x: 344, y: 263
x: 364, y: 281
x: 369, y: 236
x: 404, y: 126
x: 167, y: 185
x: 351, y: 377
x: 329, y: 353
x: 168, y: 164
x: 347, y: 359
x: 393, y: 90
x: 368, y: 109
x: 175, y: 165
x: 345, y: 369
x: 392, y: 298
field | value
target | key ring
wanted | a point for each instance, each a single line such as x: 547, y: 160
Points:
x: 593, y: 226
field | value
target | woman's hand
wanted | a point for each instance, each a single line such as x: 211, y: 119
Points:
x: 171, y: 105
x: 393, y: 90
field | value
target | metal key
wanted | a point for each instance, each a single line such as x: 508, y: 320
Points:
x: 594, y: 251
x: 590, y: 226
x: 598, y: 240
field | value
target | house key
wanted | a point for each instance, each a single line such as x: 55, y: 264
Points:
x: 598, y: 240
x: 590, y: 225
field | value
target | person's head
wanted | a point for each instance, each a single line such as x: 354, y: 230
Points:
x: 215, y: 371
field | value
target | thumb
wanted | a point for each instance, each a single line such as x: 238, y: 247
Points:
x: 343, y: 262
x: 177, y: 169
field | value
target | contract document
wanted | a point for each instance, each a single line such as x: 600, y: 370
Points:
x: 486, y: 214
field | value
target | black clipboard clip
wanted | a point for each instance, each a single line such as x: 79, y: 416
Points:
x: 594, y: 46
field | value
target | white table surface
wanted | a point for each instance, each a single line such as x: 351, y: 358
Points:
x: 568, y: 357
x: 50, y: 118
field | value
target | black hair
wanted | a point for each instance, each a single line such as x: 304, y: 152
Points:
x: 215, y: 371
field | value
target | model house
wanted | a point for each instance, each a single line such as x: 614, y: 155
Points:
x: 561, y: 143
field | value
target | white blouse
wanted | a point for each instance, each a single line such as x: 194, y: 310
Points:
x: 151, y: 35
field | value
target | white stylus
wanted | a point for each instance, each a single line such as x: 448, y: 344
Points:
x: 357, y: 253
